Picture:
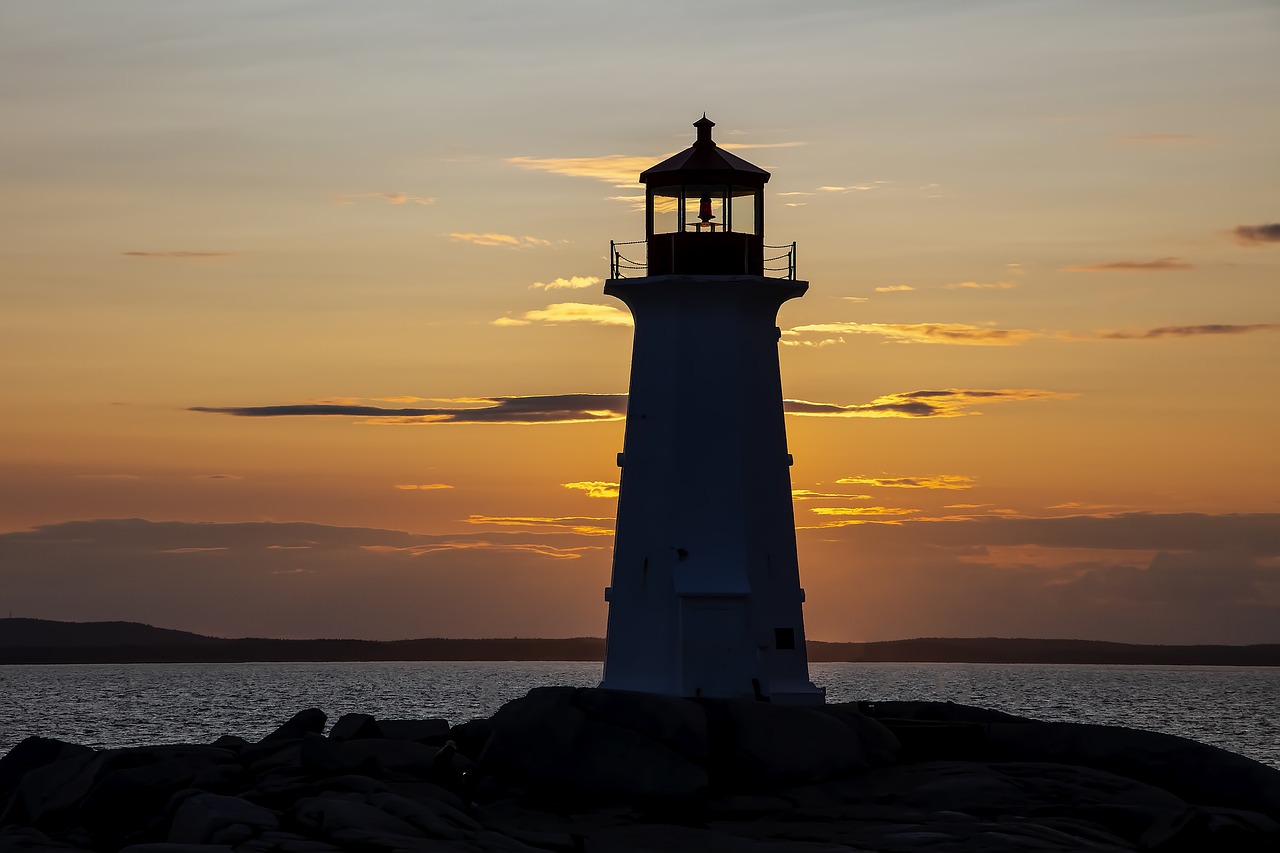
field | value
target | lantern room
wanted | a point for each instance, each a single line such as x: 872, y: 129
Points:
x: 704, y: 211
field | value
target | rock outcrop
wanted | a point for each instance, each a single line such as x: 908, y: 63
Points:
x: 585, y: 771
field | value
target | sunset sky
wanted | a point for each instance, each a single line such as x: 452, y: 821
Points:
x: 1035, y: 381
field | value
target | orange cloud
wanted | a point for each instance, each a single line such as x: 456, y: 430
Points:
x: 744, y: 146
x: 946, y: 403
x: 570, y: 312
x: 850, y: 515
x: 491, y: 239
x: 1161, y: 139
x: 423, y: 487
x: 576, y: 282
x: 572, y: 524
x: 807, y: 495
x: 861, y: 510
x: 621, y: 170
x: 937, y: 481
x: 394, y: 198
x: 975, y: 285
x: 595, y: 488
x: 1169, y: 264
x: 920, y: 333
x: 895, y: 288
x: 181, y: 256
x: 541, y: 549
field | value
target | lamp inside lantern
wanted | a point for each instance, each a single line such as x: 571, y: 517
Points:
x: 704, y: 210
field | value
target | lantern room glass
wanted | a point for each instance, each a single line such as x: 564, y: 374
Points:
x: 705, y: 209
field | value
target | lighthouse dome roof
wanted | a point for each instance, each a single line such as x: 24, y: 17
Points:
x: 704, y: 162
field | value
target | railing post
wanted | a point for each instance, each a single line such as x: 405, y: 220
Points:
x: 613, y: 260
x: 793, y: 260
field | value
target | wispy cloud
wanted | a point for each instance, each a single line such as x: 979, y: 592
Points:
x: 861, y: 510
x: 894, y: 288
x: 541, y: 549
x: 595, y: 488
x: 422, y: 487
x: 562, y: 408
x: 821, y: 334
x: 844, y: 516
x: 592, y: 408
x: 181, y: 256
x: 1169, y: 264
x: 1189, y: 331
x: 746, y: 146
x: 976, y: 285
x: 835, y: 189
x: 570, y: 312
x: 394, y: 198
x: 937, y: 481
x: 576, y: 282
x: 948, y: 403
x: 1257, y: 235
x: 921, y: 333
x: 582, y: 525
x: 635, y: 201
x: 217, y: 477
x: 475, y: 580
x: 1091, y: 508
x: 509, y: 241
x: 809, y: 495
x: 1161, y: 139
x: 621, y: 170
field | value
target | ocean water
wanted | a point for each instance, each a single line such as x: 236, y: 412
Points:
x: 1237, y: 708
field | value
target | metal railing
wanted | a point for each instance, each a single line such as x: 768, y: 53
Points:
x: 621, y: 266
x: 788, y: 265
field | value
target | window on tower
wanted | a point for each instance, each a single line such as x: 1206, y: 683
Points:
x: 742, y: 210
x: 666, y: 210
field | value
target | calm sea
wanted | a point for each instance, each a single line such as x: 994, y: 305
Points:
x: 1237, y: 708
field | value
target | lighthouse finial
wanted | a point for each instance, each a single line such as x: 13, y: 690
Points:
x: 704, y: 126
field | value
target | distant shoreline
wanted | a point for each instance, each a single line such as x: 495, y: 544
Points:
x: 39, y: 641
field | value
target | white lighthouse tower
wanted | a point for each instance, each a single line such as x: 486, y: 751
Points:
x: 705, y: 598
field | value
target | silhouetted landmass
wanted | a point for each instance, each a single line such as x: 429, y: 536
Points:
x: 45, y: 641
x: 45, y: 633
x: 1023, y: 650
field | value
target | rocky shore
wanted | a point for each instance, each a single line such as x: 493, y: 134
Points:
x: 585, y: 771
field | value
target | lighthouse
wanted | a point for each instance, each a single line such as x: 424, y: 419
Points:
x: 705, y: 596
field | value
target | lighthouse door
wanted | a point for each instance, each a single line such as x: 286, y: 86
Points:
x: 716, y: 652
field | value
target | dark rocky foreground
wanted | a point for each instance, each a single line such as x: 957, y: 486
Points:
x: 568, y: 769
